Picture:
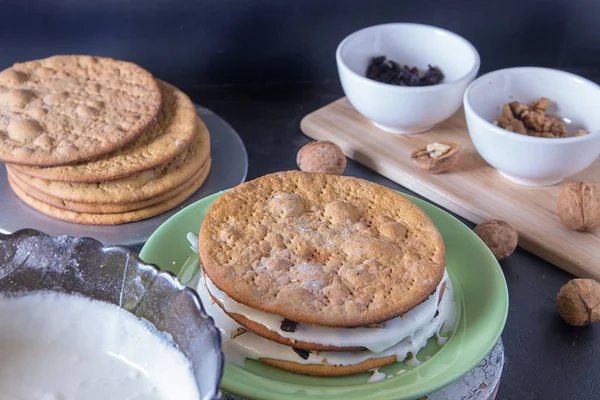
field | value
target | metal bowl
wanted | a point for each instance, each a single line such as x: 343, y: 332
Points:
x: 31, y: 260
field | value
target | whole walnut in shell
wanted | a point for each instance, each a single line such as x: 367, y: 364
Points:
x: 321, y: 156
x: 499, y: 236
x: 578, y: 302
x: 578, y: 206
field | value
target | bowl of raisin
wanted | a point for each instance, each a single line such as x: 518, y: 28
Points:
x: 405, y: 77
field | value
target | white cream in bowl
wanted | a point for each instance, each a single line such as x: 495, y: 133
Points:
x: 55, y: 346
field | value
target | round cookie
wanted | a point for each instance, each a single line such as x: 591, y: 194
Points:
x: 101, y: 208
x: 174, y: 131
x: 321, y: 249
x: 263, y: 331
x: 66, y: 109
x: 134, y: 188
x: 110, y: 219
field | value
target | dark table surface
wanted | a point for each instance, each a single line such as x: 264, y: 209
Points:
x: 545, y: 358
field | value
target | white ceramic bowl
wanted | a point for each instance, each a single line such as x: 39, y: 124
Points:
x: 530, y: 160
x: 401, y: 109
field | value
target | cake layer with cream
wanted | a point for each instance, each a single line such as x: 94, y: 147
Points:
x: 319, y: 249
x: 239, y: 344
x: 375, y: 339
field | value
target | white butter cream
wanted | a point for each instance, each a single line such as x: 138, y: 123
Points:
x: 249, y: 345
x: 376, y: 376
x: 374, y: 339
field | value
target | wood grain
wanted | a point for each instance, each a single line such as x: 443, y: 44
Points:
x: 473, y: 189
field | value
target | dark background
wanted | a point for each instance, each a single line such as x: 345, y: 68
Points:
x: 207, y: 42
x: 264, y: 64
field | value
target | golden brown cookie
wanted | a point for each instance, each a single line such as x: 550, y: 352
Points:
x: 321, y: 249
x: 66, y: 109
x: 98, y: 208
x: 170, y: 136
x: 134, y: 188
x: 110, y: 219
x: 331, y: 370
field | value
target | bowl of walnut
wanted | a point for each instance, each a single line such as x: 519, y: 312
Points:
x: 536, y: 126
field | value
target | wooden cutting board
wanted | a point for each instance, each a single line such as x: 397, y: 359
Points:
x: 473, y: 189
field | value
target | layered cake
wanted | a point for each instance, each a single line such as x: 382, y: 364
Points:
x: 322, y: 274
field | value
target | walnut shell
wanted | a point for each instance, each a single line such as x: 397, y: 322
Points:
x: 578, y: 302
x: 423, y: 160
x: 578, y: 206
x: 501, y: 237
x: 321, y: 156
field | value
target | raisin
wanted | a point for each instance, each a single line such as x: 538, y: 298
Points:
x: 301, y: 352
x: 287, y: 325
x: 383, y: 70
x: 432, y: 76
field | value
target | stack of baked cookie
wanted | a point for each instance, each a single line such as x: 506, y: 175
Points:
x: 98, y: 141
x: 322, y: 274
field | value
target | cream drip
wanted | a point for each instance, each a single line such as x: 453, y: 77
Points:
x: 374, y: 339
x: 376, y: 376
x: 250, y: 345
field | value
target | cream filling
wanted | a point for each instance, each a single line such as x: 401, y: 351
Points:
x: 374, y: 339
x: 249, y: 345
x: 56, y: 346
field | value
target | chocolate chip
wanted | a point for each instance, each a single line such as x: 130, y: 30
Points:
x: 301, y: 352
x: 287, y: 325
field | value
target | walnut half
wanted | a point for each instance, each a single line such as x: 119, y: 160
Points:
x: 531, y: 119
x: 436, y: 157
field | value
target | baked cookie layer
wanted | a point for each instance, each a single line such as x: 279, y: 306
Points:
x: 66, y: 109
x: 99, y: 208
x: 321, y: 249
x: 331, y: 370
x: 111, y: 219
x: 174, y: 131
x: 134, y: 188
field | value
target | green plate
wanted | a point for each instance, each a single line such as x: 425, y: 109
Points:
x: 480, y: 290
